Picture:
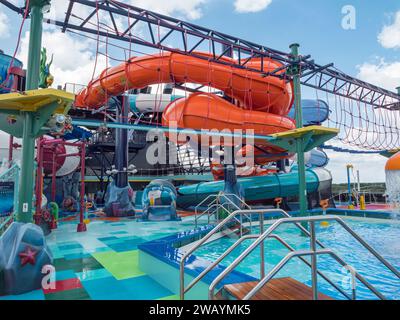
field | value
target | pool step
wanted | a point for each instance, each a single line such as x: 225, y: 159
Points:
x: 276, y: 289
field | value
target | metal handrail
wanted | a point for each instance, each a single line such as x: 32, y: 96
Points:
x: 301, y: 253
x: 226, y: 197
x: 248, y: 237
x: 204, y: 200
x: 216, y: 200
x: 297, y: 220
x: 197, y: 217
x: 260, y: 212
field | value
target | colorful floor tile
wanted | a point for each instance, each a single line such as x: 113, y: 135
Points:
x: 121, y: 265
x: 137, y: 288
x: 73, y: 294
x: 33, y: 295
x: 102, y: 263
x: 64, y: 285
x: 93, y: 274
x: 65, y: 274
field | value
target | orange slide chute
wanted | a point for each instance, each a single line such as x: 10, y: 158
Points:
x: 209, y: 111
x: 251, y: 89
x: 261, y: 102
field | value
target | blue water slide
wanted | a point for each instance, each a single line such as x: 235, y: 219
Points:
x: 315, y: 112
x: 318, y: 158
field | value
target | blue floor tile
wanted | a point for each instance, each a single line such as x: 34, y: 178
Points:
x: 137, y: 288
x: 73, y: 256
x: 107, y: 238
x: 70, y: 246
x: 33, y: 295
x: 118, y: 232
x: 121, y: 247
x: 65, y: 274
x: 93, y: 274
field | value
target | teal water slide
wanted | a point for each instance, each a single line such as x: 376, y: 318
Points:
x: 258, y: 188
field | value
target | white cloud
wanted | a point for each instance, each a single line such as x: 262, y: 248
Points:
x: 190, y: 9
x: 382, y: 73
x: 245, y: 6
x: 4, y: 25
x: 390, y: 34
x: 74, y: 58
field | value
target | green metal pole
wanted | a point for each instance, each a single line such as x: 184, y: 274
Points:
x: 35, y: 44
x: 398, y: 90
x: 25, y: 195
x: 299, y: 124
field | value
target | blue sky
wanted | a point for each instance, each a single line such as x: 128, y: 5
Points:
x: 370, y: 52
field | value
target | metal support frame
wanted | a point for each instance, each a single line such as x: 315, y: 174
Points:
x: 298, y: 68
x: 295, y: 72
x: 192, y: 36
x: 25, y: 194
x: 349, y: 193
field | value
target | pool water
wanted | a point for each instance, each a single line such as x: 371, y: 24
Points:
x: 381, y: 235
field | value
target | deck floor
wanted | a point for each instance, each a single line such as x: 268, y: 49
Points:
x: 276, y: 289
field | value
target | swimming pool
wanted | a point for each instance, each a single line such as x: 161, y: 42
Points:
x: 382, y: 235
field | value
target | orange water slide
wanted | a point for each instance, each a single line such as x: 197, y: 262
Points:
x: 209, y: 111
x: 250, y: 89
x: 261, y: 103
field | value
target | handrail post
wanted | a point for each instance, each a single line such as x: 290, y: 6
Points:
x: 314, y: 274
x: 182, y: 280
x: 262, y: 251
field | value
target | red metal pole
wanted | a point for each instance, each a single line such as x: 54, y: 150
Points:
x: 53, y: 177
x: 82, y: 225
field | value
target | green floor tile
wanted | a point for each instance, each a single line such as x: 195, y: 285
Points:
x: 122, y: 265
x: 74, y: 294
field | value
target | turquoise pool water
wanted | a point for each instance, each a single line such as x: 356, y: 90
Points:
x: 383, y: 236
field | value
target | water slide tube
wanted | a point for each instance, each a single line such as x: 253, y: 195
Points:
x: 258, y: 188
x: 262, y: 102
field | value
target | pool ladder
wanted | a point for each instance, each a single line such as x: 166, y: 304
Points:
x: 301, y: 254
x: 215, y: 205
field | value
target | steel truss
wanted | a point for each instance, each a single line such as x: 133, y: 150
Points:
x: 320, y: 77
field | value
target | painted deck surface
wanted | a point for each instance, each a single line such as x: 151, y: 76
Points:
x: 276, y: 289
x: 103, y: 263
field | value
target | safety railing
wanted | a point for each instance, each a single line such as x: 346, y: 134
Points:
x: 313, y: 252
x: 342, y: 197
x: 249, y: 213
x: 216, y: 204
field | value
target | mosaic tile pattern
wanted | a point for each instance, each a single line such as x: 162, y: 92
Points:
x: 102, y: 263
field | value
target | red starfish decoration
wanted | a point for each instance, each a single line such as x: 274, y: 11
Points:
x: 28, y: 256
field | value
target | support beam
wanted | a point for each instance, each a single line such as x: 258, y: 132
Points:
x: 295, y: 72
x: 121, y: 144
x: 25, y: 194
